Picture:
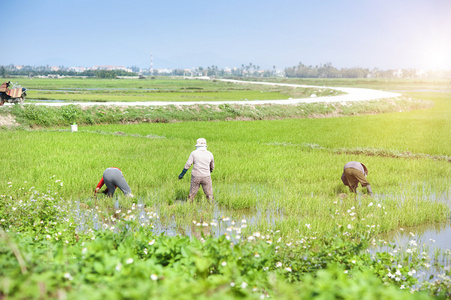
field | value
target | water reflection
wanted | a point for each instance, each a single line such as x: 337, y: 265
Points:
x: 222, y: 222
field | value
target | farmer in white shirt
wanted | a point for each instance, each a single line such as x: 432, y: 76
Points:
x: 203, y: 164
x: 354, y: 173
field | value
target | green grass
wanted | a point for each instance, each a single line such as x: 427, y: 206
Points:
x: 278, y: 190
x: 293, y: 164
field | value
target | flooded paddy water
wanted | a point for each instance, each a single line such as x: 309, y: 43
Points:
x: 429, y: 242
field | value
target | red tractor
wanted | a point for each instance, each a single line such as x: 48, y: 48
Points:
x: 16, y: 94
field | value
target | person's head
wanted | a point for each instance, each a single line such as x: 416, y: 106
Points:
x: 201, y: 142
x: 365, y: 169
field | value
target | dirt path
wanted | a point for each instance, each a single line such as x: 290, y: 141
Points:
x: 352, y: 94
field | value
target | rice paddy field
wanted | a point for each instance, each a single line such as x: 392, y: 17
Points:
x: 282, y: 224
x: 125, y: 90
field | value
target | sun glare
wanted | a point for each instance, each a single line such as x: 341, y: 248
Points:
x: 437, y: 56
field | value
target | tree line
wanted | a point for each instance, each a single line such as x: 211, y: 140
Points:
x: 301, y: 70
x: 32, y: 71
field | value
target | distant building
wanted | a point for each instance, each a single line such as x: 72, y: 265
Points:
x: 421, y: 73
x: 112, y: 68
x: 163, y: 71
x: 77, y: 69
x: 398, y: 73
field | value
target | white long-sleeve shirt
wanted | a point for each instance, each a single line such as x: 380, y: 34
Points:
x: 203, y: 162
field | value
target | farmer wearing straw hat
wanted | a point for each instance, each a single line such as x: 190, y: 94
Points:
x: 353, y: 173
x: 203, y: 164
x: 113, y: 178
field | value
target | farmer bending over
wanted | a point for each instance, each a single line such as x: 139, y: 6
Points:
x: 113, y: 178
x: 353, y: 173
x: 203, y: 164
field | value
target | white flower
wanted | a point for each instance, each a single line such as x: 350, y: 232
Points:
x: 118, y: 267
x: 256, y: 234
x: 224, y: 264
x: 257, y: 255
x: 349, y: 226
x: 371, y: 204
x: 345, y: 271
x: 251, y: 238
x: 308, y: 226
x: 151, y: 242
x: 288, y: 269
x: 68, y: 276
x: 84, y: 251
x: 232, y: 284
x: 244, y: 285
x: 129, y: 261
x: 278, y: 265
x: 154, y: 277
x: 402, y: 287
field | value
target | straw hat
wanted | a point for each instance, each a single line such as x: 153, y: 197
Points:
x: 201, y: 142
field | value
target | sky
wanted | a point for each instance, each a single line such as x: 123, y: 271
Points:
x: 384, y: 34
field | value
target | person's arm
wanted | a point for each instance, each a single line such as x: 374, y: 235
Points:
x: 212, y: 163
x: 99, y: 185
x: 343, y: 178
x: 188, y: 164
x: 369, y: 190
